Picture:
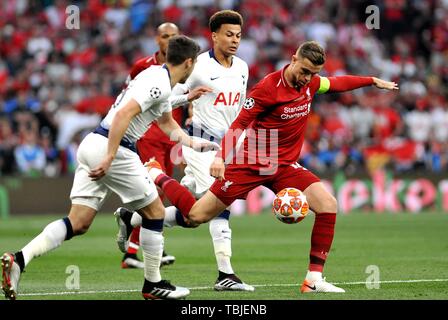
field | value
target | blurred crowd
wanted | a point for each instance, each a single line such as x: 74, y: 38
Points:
x: 57, y: 82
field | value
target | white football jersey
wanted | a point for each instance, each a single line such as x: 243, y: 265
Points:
x: 214, y: 112
x: 151, y: 89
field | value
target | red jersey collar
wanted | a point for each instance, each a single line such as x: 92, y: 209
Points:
x: 154, y: 56
x: 282, y: 76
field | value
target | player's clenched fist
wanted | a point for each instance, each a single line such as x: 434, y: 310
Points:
x: 101, y: 170
x: 217, y: 168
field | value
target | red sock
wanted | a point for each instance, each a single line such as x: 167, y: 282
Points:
x: 134, y: 241
x: 161, y: 194
x: 178, y: 195
x: 321, y: 239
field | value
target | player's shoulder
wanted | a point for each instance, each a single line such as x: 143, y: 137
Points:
x: 204, y: 57
x: 202, y: 63
x: 271, y: 80
x: 240, y: 65
x: 265, y: 89
x: 152, y: 70
x: 155, y: 76
x: 239, y: 62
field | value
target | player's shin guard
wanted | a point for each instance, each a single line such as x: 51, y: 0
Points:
x: 178, y: 195
x: 222, y: 241
x: 151, y: 242
x: 321, y: 239
x: 50, y: 238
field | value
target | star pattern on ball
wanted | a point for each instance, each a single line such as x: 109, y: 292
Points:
x: 287, y: 198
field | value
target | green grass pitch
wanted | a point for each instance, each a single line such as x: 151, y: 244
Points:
x: 410, y: 251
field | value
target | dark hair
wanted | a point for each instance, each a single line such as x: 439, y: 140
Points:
x: 313, y: 52
x: 224, y: 17
x: 180, y: 48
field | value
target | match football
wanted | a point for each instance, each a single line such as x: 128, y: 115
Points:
x: 290, y: 206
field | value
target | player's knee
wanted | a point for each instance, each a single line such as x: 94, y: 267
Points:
x: 80, y: 227
x: 196, y: 219
x: 329, y: 204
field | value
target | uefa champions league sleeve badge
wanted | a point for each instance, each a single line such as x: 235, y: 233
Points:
x: 155, y: 92
x: 249, y: 103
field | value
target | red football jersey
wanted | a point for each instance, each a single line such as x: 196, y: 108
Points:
x: 154, y: 132
x: 275, y: 116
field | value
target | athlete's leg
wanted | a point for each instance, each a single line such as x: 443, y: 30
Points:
x: 324, y: 205
x: 152, y: 242
x: 205, y: 209
x: 147, y: 148
x: 53, y: 235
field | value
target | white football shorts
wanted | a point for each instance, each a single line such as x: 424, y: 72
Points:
x: 127, y: 177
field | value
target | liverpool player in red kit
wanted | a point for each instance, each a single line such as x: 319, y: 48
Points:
x: 275, y: 116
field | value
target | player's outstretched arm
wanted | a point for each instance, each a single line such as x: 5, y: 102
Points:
x: 349, y: 82
x: 181, y: 95
x: 383, y: 84
x: 198, y: 92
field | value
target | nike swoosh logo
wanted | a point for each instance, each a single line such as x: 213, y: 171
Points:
x: 214, y: 78
x: 312, y: 288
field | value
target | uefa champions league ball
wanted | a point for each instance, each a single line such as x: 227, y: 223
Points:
x: 290, y: 206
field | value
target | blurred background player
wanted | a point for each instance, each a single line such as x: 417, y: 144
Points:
x: 108, y: 162
x: 213, y: 113
x: 279, y: 104
x: 154, y: 143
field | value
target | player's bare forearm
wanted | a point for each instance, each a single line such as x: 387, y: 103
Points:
x: 179, y: 98
x: 116, y: 132
x: 198, y: 92
x: 117, y: 129
x: 172, y: 129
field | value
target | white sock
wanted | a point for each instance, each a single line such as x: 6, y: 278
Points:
x: 313, y: 275
x: 50, y: 238
x: 136, y: 220
x: 170, y: 217
x: 154, y: 173
x: 151, y: 243
x: 222, y: 243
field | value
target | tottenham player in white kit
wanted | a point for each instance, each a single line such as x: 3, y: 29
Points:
x: 213, y: 113
x: 108, y: 162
